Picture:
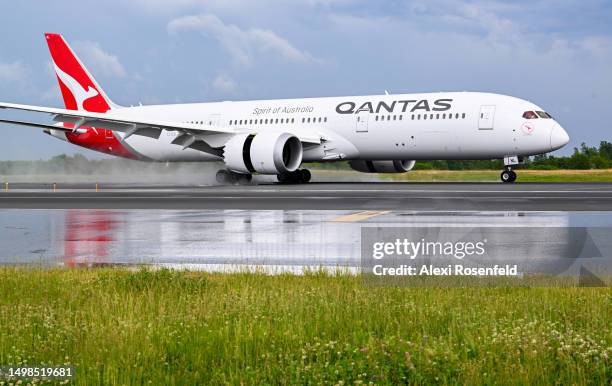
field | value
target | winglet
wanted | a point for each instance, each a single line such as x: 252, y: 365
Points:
x: 79, y: 89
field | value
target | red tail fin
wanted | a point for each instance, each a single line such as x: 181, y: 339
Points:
x: 79, y: 89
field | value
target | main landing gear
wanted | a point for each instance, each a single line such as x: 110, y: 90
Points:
x: 228, y: 177
x: 300, y: 176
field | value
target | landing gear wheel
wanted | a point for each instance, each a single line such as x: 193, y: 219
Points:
x: 222, y: 176
x: 305, y: 175
x: 508, y: 176
x: 301, y: 176
x: 242, y: 179
x: 284, y: 178
x: 513, y: 175
x: 227, y: 177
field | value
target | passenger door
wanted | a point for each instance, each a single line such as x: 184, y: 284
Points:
x: 362, y: 119
x: 486, y: 118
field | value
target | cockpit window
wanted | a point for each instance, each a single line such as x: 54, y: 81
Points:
x: 543, y: 114
x: 530, y: 115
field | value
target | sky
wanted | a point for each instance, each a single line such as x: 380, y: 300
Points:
x: 557, y: 54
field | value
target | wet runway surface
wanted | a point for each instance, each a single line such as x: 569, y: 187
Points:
x: 209, y: 239
x: 329, y: 196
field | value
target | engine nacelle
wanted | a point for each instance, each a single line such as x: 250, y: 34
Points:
x: 392, y: 166
x: 265, y: 153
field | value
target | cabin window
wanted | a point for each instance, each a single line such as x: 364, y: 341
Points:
x: 424, y: 116
x: 325, y: 119
x: 437, y: 116
x: 400, y: 117
x: 376, y: 118
x: 412, y: 117
x: 543, y: 114
x: 463, y: 115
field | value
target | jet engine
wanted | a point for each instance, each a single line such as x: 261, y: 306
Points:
x: 265, y: 153
x: 392, y: 166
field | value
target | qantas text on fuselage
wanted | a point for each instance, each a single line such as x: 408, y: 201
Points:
x: 402, y: 106
x: 380, y: 133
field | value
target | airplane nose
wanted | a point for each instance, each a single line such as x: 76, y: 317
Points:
x: 558, y: 137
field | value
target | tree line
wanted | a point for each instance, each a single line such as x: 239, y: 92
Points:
x: 583, y: 157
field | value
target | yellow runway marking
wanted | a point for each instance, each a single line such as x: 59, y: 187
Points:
x: 359, y: 216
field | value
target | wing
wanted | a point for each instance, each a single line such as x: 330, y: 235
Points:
x: 214, y: 136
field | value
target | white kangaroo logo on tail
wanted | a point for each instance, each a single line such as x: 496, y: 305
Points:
x: 79, y: 93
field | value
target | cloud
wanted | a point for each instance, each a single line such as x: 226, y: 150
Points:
x: 598, y: 46
x: 241, y: 44
x: 224, y: 84
x: 232, y: 5
x: 496, y: 27
x: 12, y: 72
x: 101, y: 61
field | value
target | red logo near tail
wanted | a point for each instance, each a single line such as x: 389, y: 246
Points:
x: 79, y: 90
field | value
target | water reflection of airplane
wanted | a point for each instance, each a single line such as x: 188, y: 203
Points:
x: 88, y: 235
x: 100, y: 237
x: 305, y: 238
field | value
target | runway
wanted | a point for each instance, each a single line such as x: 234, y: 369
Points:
x: 316, y: 196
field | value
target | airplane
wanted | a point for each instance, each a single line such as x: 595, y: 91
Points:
x: 374, y: 133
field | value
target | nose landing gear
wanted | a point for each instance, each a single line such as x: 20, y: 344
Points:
x: 508, y: 176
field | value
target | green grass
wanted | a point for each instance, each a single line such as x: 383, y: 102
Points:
x: 167, y: 327
x: 524, y: 175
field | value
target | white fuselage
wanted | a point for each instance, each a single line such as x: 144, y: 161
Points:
x: 476, y: 126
